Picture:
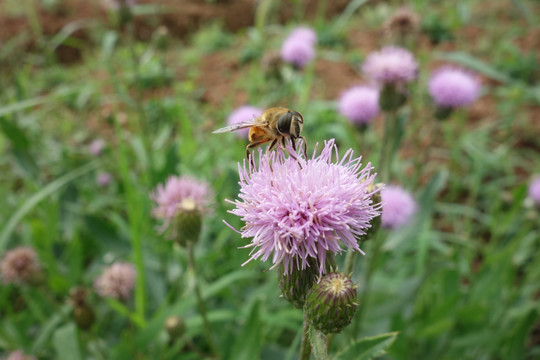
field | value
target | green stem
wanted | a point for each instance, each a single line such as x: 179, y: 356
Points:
x: 378, y: 241
x: 319, y: 344
x: 390, y: 145
x: 200, y: 302
x: 305, y: 348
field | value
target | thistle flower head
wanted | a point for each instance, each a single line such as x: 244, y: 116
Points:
x: 103, y: 179
x: 452, y: 87
x: 398, y: 207
x: 403, y: 22
x: 390, y: 65
x: 297, y: 51
x: 178, y: 195
x: 534, y: 191
x: 296, y: 209
x: 243, y: 114
x: 116, y: 281
x: 19, y: 355
x: 331, y: 303
x: 360, y: 104
x: 20, y: 265
x: 304, y: 33
x: 97, y: 146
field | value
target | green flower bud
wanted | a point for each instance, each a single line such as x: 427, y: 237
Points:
x: 443, y: 113
x: 188, y: 222
x: 376, y: 199
x: 331, y: 303
x: 294, y: 286
x: 391, y: 98
x: 83, y: 314
x: 175, y: 326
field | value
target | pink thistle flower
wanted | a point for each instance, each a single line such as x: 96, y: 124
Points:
x: 244, y: 114
x: 453, y: 87
x: 359, y: 104
x: 390, y: 65
x: 298, y: 210
x: 19, y: 355
x: 103, y: 179
x: 297, y: 51
x: 178, y: 193
x: 116, y: 281
x: 20, y: 265
x: 304, y: 33
x: 534, y: 190
x: 398, y: 207
x: 96, y: 147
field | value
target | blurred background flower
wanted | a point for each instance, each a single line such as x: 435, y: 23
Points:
x: 398, y: 206
x: 453, y: 87
x: 242, y: 114
x: 116, y: 281
x: 360, y: 104
x: 20, y: 265
x: 390, y: 65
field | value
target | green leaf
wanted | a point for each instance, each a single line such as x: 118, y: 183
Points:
x: 66, y: 343
x: 33, y: 200
x: 248, y: 343
x: 368, y: 347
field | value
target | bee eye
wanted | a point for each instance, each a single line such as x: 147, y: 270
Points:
x: 284, y: 123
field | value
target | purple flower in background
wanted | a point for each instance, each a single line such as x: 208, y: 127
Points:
x: 180, y: 192
x: 398, y: 207
x: 19, y: 355
x: 20, y: 265
x: 390, y: 65
x: 304, y: 33
x: 534, y: 190
x: 116, y: 281
x: 295, y: 210
x: 96, y: 147
x: 359, y: 104
x: 297, y: 51
x: 453, y: 87
x: 103, y: 179
x: 244, y: 114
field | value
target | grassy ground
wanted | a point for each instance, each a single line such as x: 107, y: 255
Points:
x: 461, y: 281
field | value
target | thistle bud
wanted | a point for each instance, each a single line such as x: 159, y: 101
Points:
x: 442, y: 112
x: 161, y: 38
x: 21, y: 266
x: 82, y: 312
x: 391, y: 97
x: 331, y: 303
x: 188, y: 222
x: 375, y: 189
x: 175, y: 326
x: 295, y: 285
x: 403, y: 24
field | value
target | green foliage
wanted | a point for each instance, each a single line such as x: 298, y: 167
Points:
x: 460, y: 281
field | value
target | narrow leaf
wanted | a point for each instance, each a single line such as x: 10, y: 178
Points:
x: 368, y: 348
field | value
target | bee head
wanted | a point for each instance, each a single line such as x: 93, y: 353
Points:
x: 291, y: 124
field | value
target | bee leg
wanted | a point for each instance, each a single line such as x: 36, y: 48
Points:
x: 272, y: 144
x: 305, y: 145
x: 252, y: 145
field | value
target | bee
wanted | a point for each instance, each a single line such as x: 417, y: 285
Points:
x: 275, y: 124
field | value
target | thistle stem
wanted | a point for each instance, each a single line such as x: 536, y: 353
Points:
x: 305, y: 347
x: 200, y: 302
x: 319, y: 344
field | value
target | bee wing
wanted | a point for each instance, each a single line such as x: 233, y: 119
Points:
x: 236, y: 127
